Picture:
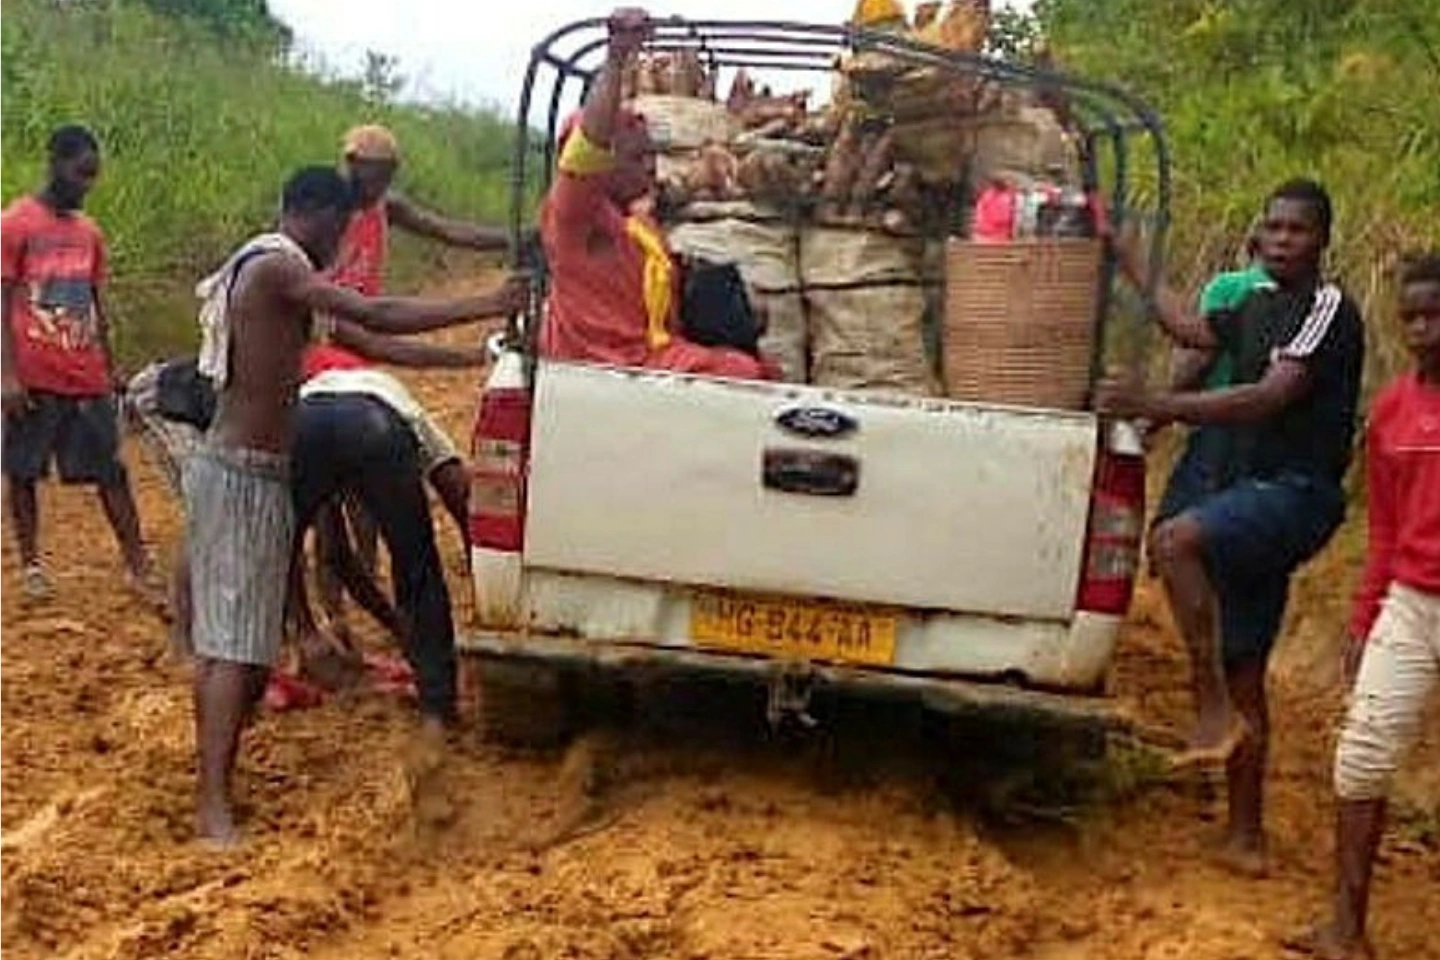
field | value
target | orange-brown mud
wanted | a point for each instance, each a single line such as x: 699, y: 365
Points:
x: 697, y: 837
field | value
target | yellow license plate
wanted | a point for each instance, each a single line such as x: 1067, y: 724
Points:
x: 807, y: 629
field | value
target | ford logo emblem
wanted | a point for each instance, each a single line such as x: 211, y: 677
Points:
x: 816, y: 422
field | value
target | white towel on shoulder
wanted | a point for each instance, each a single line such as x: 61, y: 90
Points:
x: 214, y: 293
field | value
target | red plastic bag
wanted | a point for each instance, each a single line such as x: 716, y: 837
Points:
x: 994, y: 220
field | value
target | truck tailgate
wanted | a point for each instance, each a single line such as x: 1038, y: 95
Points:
x: 660, y: 477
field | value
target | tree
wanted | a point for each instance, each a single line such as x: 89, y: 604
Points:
x: 233, y: 20
x: 381, y: 81
x: 1254, y: 92
x: 1013, y: 35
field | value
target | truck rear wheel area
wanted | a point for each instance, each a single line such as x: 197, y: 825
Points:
x: 524, y: 703
x: 534, y: 704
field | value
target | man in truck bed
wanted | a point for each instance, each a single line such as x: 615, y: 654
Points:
x: 614, y: 295
x: 1289, y: 418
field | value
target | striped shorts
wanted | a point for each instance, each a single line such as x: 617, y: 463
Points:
x: 240, y: 524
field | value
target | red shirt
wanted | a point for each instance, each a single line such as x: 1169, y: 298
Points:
x: 56, y: 263
x: 360, y: 261
x: 1402, y: 462
x: 319, y: 357
x: 359, y: 265
x: 596, y: 309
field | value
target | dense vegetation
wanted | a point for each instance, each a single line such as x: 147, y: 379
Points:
x: 202, y: 113
x: 1256, y: 91
x: 202, y: 109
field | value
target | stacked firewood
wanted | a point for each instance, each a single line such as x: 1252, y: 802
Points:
x: 928, y: 107
x: 676, y: 73
x: 828, y: 165
x: 885, y: 153
x: 864, y: 181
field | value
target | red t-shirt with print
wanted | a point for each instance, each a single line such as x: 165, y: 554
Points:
x: 55, y: 264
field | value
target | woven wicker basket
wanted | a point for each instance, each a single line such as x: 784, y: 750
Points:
x: 1020, y: 321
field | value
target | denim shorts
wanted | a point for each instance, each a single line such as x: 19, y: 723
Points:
x: 1257, y: 531
x: 80, y: 434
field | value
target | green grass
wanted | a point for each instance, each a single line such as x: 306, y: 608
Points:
x: 1254, y: 92
x: 198, y: 135
x: 200, y: 128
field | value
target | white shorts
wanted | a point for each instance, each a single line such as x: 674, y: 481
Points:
x: 1400, y: 670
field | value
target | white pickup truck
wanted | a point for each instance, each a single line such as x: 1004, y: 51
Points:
x: 960, y: 553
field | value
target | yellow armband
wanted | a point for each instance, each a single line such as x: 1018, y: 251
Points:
x: 582, y: 158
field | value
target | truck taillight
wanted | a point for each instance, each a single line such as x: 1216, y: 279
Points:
x: 500, y: 459
x: 1117, y: 522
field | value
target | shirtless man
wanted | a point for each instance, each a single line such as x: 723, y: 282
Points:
x: 240, y: 520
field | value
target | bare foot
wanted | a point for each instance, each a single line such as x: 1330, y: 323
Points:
x: 215, y: 827
x: 1244, y: 857
x: 1321, y: 940
x: 1213, y: 743
x: 423, y: 764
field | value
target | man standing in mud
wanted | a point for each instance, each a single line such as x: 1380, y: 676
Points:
x: 1288, y: 416
x: 1393, y: 659
x: 240, y: 522
x: 59, y: 373
x: 370, y: 159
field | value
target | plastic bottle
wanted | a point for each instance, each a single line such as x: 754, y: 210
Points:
x: 1027, y: 213
x: 1074, y: 218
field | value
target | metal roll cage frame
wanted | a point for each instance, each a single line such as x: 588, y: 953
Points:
x: 1107, y: 117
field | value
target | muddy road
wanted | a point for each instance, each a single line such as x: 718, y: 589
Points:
x: 694, y: 834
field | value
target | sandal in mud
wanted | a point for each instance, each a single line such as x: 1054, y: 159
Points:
x: 37, y: 582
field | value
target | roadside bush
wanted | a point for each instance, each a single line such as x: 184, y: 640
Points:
x: 199, y: 131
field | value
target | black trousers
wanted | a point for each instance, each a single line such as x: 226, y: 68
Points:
x: 355, y: 445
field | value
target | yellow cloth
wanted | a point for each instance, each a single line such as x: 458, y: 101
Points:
x: 582, y: 158
x: 657, y: 280
x: 877, y: 13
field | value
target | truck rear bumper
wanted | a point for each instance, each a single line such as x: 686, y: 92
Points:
x: 1070, y: 656
x: 950, y: 695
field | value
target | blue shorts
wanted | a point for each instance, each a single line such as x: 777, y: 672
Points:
x: 1257, y: 532
x: 1193, y: 478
